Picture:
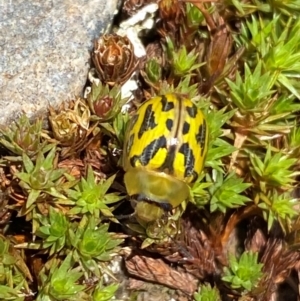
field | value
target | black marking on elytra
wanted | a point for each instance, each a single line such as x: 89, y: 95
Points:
x: 192, y: 111
x: 189, y: 159
x: 133, y: 160
x: 201, y: 136
x: 129, y: 143
x: 195, y: 176
x: 148, y: 122
x: 186, y: 128
x: 169, y: 124
x: 166, y: 105
x: 150, y: 150
x: 167, y: 165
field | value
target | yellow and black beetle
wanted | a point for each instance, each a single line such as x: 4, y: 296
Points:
x: 164, y: 150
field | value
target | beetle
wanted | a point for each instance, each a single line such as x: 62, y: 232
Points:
x: 164, y: 150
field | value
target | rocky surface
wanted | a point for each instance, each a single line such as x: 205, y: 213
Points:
x: 45, y: 51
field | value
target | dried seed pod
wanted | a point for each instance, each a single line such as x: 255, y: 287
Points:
x: 114, y: 59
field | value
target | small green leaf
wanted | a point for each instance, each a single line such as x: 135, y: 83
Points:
x: 243, y: 273
x: 226, y: 193
x: 207, y: 293
x: 32, y: 197
x: 105, y: 293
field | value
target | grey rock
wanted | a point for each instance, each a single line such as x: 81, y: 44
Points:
x: 45, y: 51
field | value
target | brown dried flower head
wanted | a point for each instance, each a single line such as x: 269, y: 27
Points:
x: 171, y: 12
x: 70, y: 125
x: 114, y: 59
